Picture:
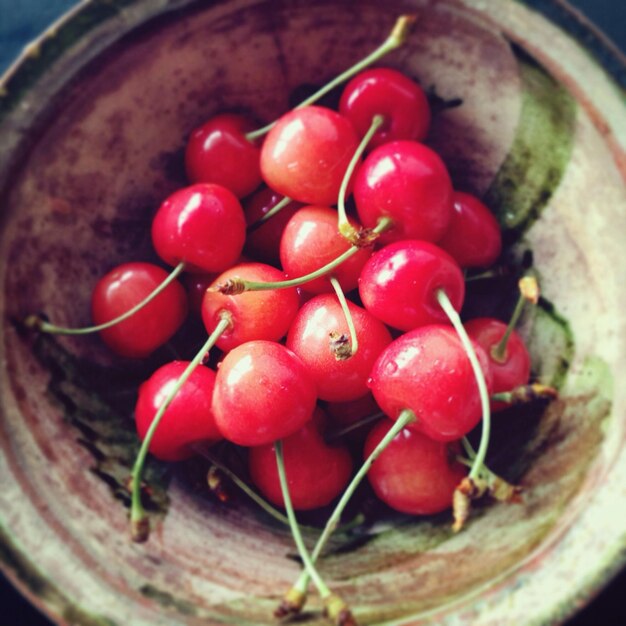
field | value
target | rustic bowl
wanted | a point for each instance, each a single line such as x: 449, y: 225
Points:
x: 92, y: 122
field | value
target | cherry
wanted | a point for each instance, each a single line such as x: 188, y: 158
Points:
x: 386, y: 92
x: 202, y: 226
x: 263, y: 239
x: 473, y: 237
x: 144, y: 331
x: 306, y: 153
x: 510, y: 370
x: 311, y: 240
x: 262, y: 393
x: 414, y: 474
x: 255, y: 314
x: 318, y: 323
x: 351, y: 411
x: 309, y: 461
x: 428, y: 371
x: 219, y: 152
x: 187, y: 421
x: 399, y: 283
x: 196, y: 286
x: 409, y: 183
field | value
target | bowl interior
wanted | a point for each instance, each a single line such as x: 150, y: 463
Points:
x: 98, y: 145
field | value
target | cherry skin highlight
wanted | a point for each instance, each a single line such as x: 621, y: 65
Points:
x: 202, y: 226
x: 254, y: 314
x: 386, y: 92
x: 473, y: 237
x: 306, y: 154
x: 511, y: 371
x: 149, y: 328
x: 263, y: 243
x: 310, y: 240
x: 316, y: 472
x: 310, y: 338
x: 399, y: 284
x: 187, y: 421
x: 218, y: 152
x: 407, y: 182
x: 414, y: 474
x: 428, y: 371
x: 262, y: 393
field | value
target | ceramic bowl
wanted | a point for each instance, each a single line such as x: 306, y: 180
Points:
x: 92, y: 125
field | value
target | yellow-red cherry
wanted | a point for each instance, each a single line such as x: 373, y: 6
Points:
x: 414, y: 474
x: 262, y: 393
x: 306, y: 154
x: 187, y: 421
x: 126, y: 286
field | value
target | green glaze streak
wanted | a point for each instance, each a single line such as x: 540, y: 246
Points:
x: 167, y: 600
x: 14, y: 561
x: 539, y: 154
x: 53, y: 46
x: 105, y: 431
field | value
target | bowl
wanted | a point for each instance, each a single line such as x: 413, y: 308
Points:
x: 92, y: 123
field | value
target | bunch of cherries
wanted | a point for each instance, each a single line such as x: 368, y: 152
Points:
x: 299, y: 357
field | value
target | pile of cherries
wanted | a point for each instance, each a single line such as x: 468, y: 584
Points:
x: 300, y: 359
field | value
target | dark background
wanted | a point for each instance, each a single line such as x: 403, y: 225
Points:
x: 22, y: 20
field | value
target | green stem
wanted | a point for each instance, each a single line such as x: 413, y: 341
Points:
x: 139, y: 528
x: 498, y: 352
x: 34, y: 321
x: 277, y: 208
x: 237, y: 285
x: 345, y: 228
x: 394, y: 40
x: 354, y: 341
x: 455, y: 319
x: 295, y: 529
x: 406, y: 417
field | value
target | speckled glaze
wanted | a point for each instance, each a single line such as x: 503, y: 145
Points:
x: 92, y: 124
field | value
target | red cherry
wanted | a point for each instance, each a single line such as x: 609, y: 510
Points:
x: 255, y: 314
x: 188, y: 420
x: 509, y: 372
x: 202, y: 226
x: 310, y: 338
x: 316, y: 472
x: 386, y: 92
x: 196, y: 286
x: 409, y: 183
x: 399, y: 284
x: 218, y: 152
x: 473, y: 237
x: 351, y: 411
x: 263, y: 243
x: 306, y: 154
x: 414, y: 474
x: 262, y: 393
x: 149, y: 328
x: 310, y: 240
x: 428, y: 371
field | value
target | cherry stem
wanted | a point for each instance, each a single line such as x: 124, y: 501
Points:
x: 345, y: 228
x: 406, y: 417
x: 139, y: 526
x: 34, y: 321
x: 273, y: 211
x: 236, y: 286
x: 351, y: 350
x: 529, y: 292
x: 295, y: 528
x: 355, y: 426
x: 455, y: 319
x: 398, y: 35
